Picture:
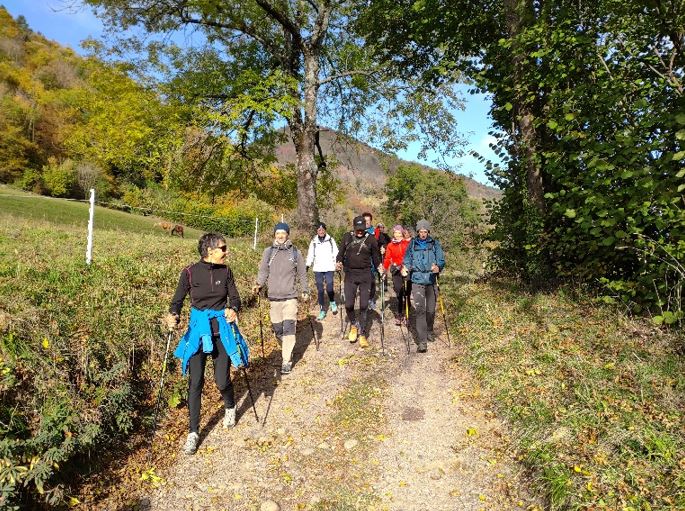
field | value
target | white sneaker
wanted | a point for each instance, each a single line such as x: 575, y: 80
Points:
x: 191, y: 443
x: 229, y: 418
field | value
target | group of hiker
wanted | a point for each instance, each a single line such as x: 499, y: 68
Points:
x: 366, y: 255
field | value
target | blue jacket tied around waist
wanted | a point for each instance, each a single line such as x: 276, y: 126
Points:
x: 199, y: 327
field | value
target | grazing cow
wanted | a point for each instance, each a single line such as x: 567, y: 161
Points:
x: 171, y: 228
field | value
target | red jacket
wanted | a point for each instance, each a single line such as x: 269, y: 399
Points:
x: 394, y: 253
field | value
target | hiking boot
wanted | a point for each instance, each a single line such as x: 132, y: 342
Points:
x: 372, y: 305
x: 322, y: 315
x: 352, y: 336
x: 363, y: 343
x: 334, y: 307
x: 430, y: 337
x: 191, y: 443
x: 229, y: 418
x: 422, y: 348
x: 286, y: 367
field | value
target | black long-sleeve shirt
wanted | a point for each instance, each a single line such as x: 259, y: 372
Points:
x: 358, y: 254
x: 210, y: 286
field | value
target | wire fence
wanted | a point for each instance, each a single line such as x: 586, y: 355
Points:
x: 230, y: 226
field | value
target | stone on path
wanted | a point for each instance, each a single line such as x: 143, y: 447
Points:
x: 350, y: 444
x: 270, y: 505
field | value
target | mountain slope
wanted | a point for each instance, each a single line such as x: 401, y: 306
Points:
x: 364, y: 168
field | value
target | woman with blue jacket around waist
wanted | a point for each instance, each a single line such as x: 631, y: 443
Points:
x: 423, y: 260
x: 214, y: 303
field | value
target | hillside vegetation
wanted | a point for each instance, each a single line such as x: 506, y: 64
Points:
x: 81, y: 346
x: 595, y: 398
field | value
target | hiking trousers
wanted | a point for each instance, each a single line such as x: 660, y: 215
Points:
x: 424, y: 298
x: 358, y: 281
x: 283, y: 315
x: 196, y: 380
x: 398, y: 286
x: 326, y: 277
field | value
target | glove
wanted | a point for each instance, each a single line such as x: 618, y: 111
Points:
x: 231, y: 315
x: 170, y: 321
x: 256, y: 288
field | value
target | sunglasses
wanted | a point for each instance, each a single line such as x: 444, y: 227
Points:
x: 223, y: 248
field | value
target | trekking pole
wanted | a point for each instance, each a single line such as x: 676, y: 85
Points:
x: 343, y: 328
x: 159, y: 393
x: 406, y: 312
x: 311, y: 322
x: 261, y: 319
x: 249, y: 391
x: 382, y: 318
x: 247, y: 380
x: 442, y: 309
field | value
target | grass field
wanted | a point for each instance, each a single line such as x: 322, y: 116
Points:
x: 81, y: 346
x: 75, y: 213
x: 595, y: 399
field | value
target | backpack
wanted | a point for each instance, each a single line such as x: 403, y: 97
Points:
x: 362, y: 243
x: 330, y: 240
x: 293, y: 250
x: 430, y: 248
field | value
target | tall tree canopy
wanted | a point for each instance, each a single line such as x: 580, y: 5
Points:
x: 589, y: 109
x: 299, y: 60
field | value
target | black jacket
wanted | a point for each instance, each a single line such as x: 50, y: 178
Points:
x: 210, y: 286
x: 358, y: 254
x: 383, y: 239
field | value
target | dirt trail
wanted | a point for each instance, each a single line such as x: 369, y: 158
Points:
x: 351, y: 429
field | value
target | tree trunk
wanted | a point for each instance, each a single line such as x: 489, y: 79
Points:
x: 519, y: 14
x: 304, y: 138
x: 307, y: 211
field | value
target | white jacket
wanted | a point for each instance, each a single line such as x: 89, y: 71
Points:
x: 322, y: 254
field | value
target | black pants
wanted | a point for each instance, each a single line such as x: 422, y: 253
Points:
x: 424, y: 298
x: 358, y: 281
x: 398, y: 286
x: 196, y: 380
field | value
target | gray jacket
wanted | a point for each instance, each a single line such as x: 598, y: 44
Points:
x: 280, y: 265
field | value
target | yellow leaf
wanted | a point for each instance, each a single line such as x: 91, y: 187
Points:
x: 577, y: 469
x: 471, y: 432
x: 589, y: 486
x: 482, y: 498
x: 46, y: 343
x: 403, y: 484
x: 73, y: 501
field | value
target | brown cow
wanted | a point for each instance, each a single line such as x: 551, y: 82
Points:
x: 171, y: 228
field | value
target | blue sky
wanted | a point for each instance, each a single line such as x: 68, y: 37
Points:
x: 68, y: 24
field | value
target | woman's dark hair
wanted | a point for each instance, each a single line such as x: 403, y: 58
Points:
x: 207, y: 241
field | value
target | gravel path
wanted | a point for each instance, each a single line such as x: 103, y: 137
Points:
x: 350, y: 429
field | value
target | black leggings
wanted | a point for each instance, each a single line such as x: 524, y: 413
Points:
x: 398, y: 286
x: 357, y: 281
x: 196, y: 380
